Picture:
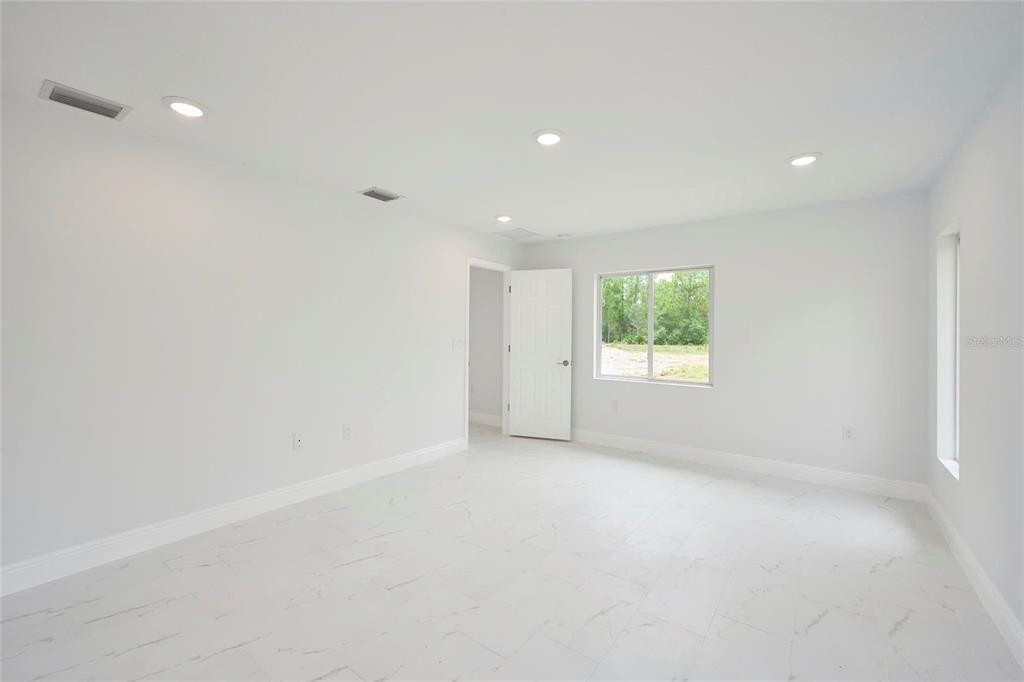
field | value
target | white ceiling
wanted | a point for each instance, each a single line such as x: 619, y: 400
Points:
x: 673, y: 112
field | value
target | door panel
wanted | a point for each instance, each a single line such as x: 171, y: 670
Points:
x: 540, y: 383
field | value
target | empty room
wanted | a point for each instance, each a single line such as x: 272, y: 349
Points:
x: 394, y: 341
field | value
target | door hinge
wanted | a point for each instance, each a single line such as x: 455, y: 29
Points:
x: 510, y: 288
x: 510, y: 348
x: 508, y: 407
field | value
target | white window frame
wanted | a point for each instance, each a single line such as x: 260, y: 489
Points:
x: 650, y: 378
x: 956, y: 360
x: 948, y: 351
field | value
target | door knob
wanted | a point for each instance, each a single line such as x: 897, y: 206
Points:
x: 563, y: 363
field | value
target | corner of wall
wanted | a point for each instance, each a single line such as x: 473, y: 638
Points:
x: 979, y: 192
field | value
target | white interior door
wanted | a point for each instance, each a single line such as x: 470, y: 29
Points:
x: 540, y: 354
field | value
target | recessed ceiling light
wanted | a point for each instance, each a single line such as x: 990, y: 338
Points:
x: 549, y: 138
x: 504, y: 219
x: 802, y: 160
x: 184, y: 106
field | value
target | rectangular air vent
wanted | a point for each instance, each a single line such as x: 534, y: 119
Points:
x: 380, y: 194
x: 55, y: 92
x: 517, y: 233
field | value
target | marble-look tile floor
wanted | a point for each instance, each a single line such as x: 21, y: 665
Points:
x: 527, y: 560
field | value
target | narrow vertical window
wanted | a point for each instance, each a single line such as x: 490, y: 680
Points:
x: 947, y: 337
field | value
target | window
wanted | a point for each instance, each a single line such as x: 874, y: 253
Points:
x: 655, y: 326
x: 947, y: 337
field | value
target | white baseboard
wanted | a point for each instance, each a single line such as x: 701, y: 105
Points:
x: 998, y: 608
x: 888, y: 487
x: 485, y: 419
x: 42, y: 569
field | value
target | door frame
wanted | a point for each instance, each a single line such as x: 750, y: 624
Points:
x: 504, y: 269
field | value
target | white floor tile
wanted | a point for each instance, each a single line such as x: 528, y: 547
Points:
x: 650, y: 649
x: 542, y: 658
x: 529, y: 560
x: 736, y: 651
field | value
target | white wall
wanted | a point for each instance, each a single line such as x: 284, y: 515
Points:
x: 819, y: 322
x: 980, y: 193
x: 170, y: 320
x: 485, y: 342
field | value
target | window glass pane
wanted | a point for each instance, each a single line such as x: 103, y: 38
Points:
x: 947, y: 347
x: 956, y: 370
x: 682, y: 325
x: 624, y: 326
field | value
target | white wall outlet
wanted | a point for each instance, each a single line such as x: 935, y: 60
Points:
x: 615, y: 406
x: 847, y: 432
x: 346, y: 432
x: 296, y: 441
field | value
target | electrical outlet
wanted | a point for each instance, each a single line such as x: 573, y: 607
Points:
x: 296, y: 441
x: 346, y: 432
x: 615, y: 406
x: 847, y: 432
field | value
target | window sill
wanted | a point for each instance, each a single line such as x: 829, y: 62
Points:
x: 659, y: 382
x: 952, y: 466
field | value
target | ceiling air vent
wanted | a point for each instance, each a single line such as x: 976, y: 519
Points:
x: 380, y: 194
x: 517, y: 233
x: 55, y: 92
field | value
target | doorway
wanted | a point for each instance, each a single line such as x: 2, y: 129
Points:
x: 485, y: 349
x: 518, y: 352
